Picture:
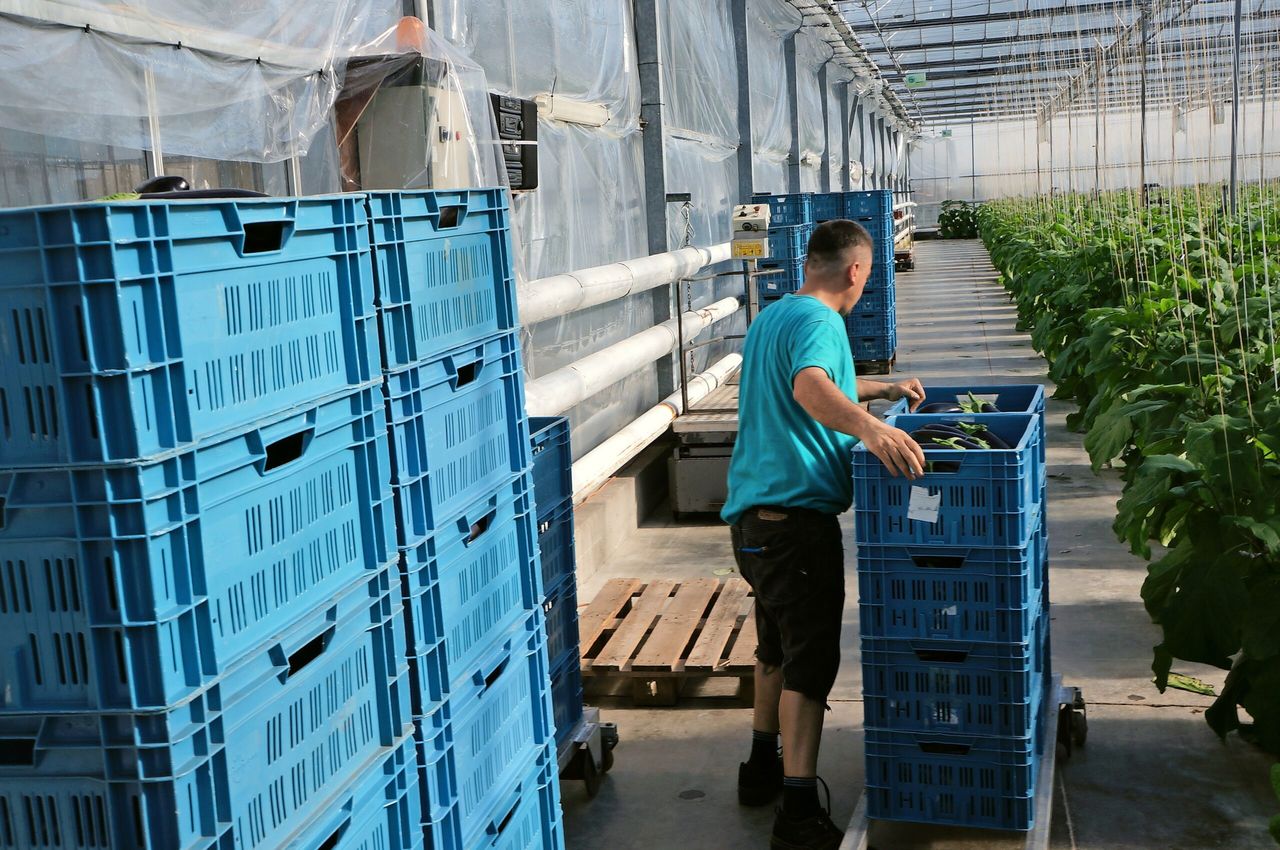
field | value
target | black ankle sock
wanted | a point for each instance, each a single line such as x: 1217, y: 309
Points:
x: 764, y: 748
x: 800, y: 797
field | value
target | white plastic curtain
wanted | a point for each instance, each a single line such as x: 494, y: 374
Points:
x: 589, y: 207
x: 246, y: 82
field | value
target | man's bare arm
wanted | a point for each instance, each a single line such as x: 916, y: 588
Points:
x: 814, y: 390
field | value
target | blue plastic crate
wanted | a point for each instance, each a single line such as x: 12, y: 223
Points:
x: 871, y: 323
x: 500, y: 726
x: 381, y: 810
x: 552, y: 462
x: 876, y: 347
x: 566, y: 697
x: 953, y: 780
x: 137, y: 585
x: 475, y: 578
x: 877, y: 300
x: 555, y: 546
x: 529, y: 819
x: 202, y: 772
x: 881, y: 279
x: 960, y: 593
x: 1009, y: 398
x: 986, y: 497
x: 960, y: 687
x: 872, y: 203
x: 790, y: 280
x: 789, y: 243
x: 560, y: 610
x: 458, y: 431
x: 444, y: 270
x: 828, y: 206
x: 787, y: 210
x: 134, y: 328
x: 437, y: 789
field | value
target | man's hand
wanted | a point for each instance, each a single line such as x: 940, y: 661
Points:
x: 896, y: 450
x: 911, y: 389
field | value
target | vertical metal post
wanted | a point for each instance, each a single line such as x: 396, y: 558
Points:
x: 746, y: 146
x: 861, y: 120
x: 973, y: 159
x: 824, y: 170
x: 654, y: 137
x: 155, y: 159
x: 1145, y: 12
x: 846, y: 129
x: 1235, y: 112
x: 1097, y: 130
x: 793, y: 97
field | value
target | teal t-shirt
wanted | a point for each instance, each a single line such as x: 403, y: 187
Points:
x: 783, y: 456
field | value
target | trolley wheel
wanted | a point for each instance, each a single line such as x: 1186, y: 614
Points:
x: 1066, y: 732
x: 1079, y: 728
x: 592, y: 776
x: 911, y: 264
x: 608, y: 740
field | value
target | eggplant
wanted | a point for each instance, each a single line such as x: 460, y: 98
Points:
x: 939, y: 407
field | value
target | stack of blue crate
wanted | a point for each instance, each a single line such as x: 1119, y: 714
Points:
x: 791, y: 220
x: 463, y: 488
x: 553, y: 496
x: 873, y: 325
x: 953, y: 589
x: 199, y: 612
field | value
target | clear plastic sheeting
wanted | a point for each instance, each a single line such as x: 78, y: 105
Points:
x: 224, y: 82
x: 580, y: 49
x: 414, y: 113
x: 700, y: 71
x: 839, y: 100
x: 811, y: 55
x: 589, y: 208
x: 701, y: 116
x: 1082, y: 152
x: 769, y: 24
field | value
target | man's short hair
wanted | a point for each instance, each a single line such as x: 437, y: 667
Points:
x: 834, y: 244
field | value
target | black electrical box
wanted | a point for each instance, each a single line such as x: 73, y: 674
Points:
x: 518, y: 129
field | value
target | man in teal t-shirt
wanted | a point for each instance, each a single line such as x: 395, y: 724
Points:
x: 790, y: 476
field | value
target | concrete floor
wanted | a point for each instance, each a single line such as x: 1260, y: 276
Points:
x: 1153, y: 774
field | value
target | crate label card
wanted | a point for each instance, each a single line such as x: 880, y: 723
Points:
x: 922, y: 507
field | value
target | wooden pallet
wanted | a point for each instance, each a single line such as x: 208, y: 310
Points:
x: 662, y: 636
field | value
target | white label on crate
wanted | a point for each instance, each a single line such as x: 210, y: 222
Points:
x: 923, y: 507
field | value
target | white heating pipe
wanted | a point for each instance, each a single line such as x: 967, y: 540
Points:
x: 562, y: 294
x: 557, y: 391
x: 597, y: 466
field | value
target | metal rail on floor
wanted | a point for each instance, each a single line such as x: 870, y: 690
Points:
x: 1070, y: 711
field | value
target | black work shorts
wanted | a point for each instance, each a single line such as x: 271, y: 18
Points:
x: 794, y: 561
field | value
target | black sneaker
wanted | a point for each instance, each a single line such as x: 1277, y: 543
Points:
x: 759, y: 786
x: 812, y: 833
x: 816, y: 832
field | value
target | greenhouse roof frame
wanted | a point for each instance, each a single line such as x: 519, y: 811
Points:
x: 1014, y: 58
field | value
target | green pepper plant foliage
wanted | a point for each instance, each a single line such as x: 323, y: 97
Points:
x: 1160, y: 323
x: 958, y: 220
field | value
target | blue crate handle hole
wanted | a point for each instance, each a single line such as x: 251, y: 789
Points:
x: 336, y: 836
x: 939, y: 748
x: 465, y: 374
x: 496, y: 672
x: 938, y: 562
x: 18, y: 752
x: 265, y: 237
x: 498, y: 826
x: 942, y: 656
x: 286, y: 450
x: 474, y: 530
x: 295, y: 662
x: 941, y: 467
